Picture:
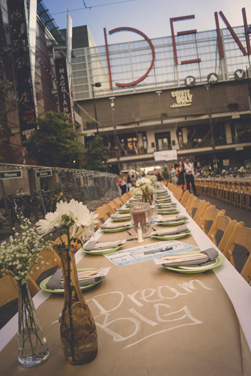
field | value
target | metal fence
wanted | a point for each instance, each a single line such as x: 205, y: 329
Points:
x: 32, y: 191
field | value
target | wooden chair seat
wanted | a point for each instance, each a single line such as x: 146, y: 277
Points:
x: 8, y: 298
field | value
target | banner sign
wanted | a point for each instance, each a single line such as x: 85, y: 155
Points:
x: 43, y: 174
x: 165, y: 155
x: 21, y: 57
x: 11, y: 174
x: 63, y: 86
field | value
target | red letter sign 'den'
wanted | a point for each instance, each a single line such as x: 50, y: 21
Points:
x: 108, y: 60
x: 172, y: 20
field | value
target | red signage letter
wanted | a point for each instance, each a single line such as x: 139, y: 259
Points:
x: 237, y: 40
x: 246, y: 29
x: 172, y: 20
x: 151, y: 46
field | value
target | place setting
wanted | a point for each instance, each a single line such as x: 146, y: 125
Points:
x: 120, y: 217
x: 111, y: 227
x: 192, y: 262
x: 123, y: 210
x: 177, y: 220
x: 96, y: 247
x: 87, y: 278
x: 166, y: 211
x: 171, y: 234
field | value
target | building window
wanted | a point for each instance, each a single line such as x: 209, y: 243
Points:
x: 163, y: 141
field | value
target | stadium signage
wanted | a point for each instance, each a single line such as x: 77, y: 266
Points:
x: 245, y: 51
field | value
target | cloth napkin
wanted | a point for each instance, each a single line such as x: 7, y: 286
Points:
x: 95, y: 245
x: 166, y: 210
x: 56, y: 281
x: 113, y: 226
x: 179, y: 230
x: 120, y: 216
x: 164, y: 199
x: 203, y: 257
x: 166, y: 205
x: 179, y: 217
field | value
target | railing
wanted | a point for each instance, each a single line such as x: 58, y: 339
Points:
x: 32, y: 191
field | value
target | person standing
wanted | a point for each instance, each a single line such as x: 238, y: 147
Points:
x: 180, y: 174
x: 189, y: 175
x: 123, y: 185
x: 173, y: 175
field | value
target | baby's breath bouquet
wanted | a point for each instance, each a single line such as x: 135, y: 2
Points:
x: 21, y: 252
x: 17, y: 256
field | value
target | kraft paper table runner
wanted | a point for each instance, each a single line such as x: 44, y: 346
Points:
x: 150, y: 322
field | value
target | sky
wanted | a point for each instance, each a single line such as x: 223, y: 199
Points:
x: 149, y: 16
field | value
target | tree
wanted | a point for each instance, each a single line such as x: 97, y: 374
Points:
x: 96, y: 159
x: 55, y: 142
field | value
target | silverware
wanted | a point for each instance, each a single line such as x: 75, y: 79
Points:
x: 135, y: 238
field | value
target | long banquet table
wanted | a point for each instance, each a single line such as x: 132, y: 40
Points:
x: 151, y: 321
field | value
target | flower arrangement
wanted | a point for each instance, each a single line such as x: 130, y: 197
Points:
x: 241, y: 171
x: 21, y: 252
x: 152, y: 178
x: 147, y: 189
x: 67, y: 219
x: 77, y: 326
x: 17, y: 256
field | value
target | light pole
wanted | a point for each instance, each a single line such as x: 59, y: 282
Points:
x: 114, y: 127
x: 97, y: 84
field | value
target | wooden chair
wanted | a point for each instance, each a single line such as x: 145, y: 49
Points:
x: 247, y: 196
x: 209, y: 216
x: 225, y: 225
x: 178, y: 193
x: 118, y: 202
x: 113, y: 207
x: 240, y: 237
x: 107, y: 209
x: 185, y: 197
x: 102, y: 216
x: 8, y: 299
x: 125, y: 197
x: 48, y: 264
x: 200, y: 210
x: 8, y: 289
x: 194, y: 206
x: 188, y: 202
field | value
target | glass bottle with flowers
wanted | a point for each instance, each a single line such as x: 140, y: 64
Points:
x: 17, y: 256
x: 147, y: 188
x: 77, y: 326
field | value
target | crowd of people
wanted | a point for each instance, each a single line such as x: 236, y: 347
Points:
x: 182, y: 175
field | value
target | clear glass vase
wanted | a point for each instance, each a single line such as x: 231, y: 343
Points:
x: 77, y: 327
x: 32, y: 344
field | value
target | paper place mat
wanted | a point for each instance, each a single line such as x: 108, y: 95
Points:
x: 148, y: 252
